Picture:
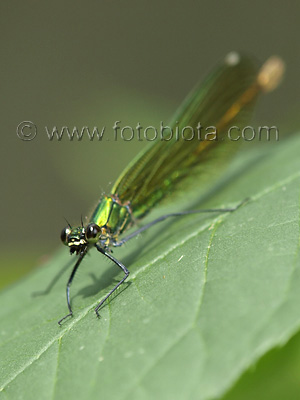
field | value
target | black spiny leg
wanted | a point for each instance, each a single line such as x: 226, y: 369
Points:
x: 120, y: 265
x: 177, y: 214
x: 68, y: 287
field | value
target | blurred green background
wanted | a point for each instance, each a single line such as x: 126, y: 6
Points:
x: 90, y: 64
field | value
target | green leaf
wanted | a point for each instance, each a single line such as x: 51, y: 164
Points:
x: 275, y: 377
x: 207, y: 297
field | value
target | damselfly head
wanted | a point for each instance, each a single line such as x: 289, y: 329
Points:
x: 74, y: 238
x: 78, y: 239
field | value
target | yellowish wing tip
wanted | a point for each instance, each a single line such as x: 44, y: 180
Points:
x: 271, y: 73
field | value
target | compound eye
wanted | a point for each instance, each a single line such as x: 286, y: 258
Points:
x: 92, y: 232
x: 64, y: 235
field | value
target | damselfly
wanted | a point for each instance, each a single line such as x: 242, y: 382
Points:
x: 223, y: 100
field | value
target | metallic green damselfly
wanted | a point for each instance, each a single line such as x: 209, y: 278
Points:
x: 224, y: 99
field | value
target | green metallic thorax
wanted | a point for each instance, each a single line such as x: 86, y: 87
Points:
x: 113, y: 216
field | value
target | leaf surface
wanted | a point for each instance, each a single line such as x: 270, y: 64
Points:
x: 208, y: 295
